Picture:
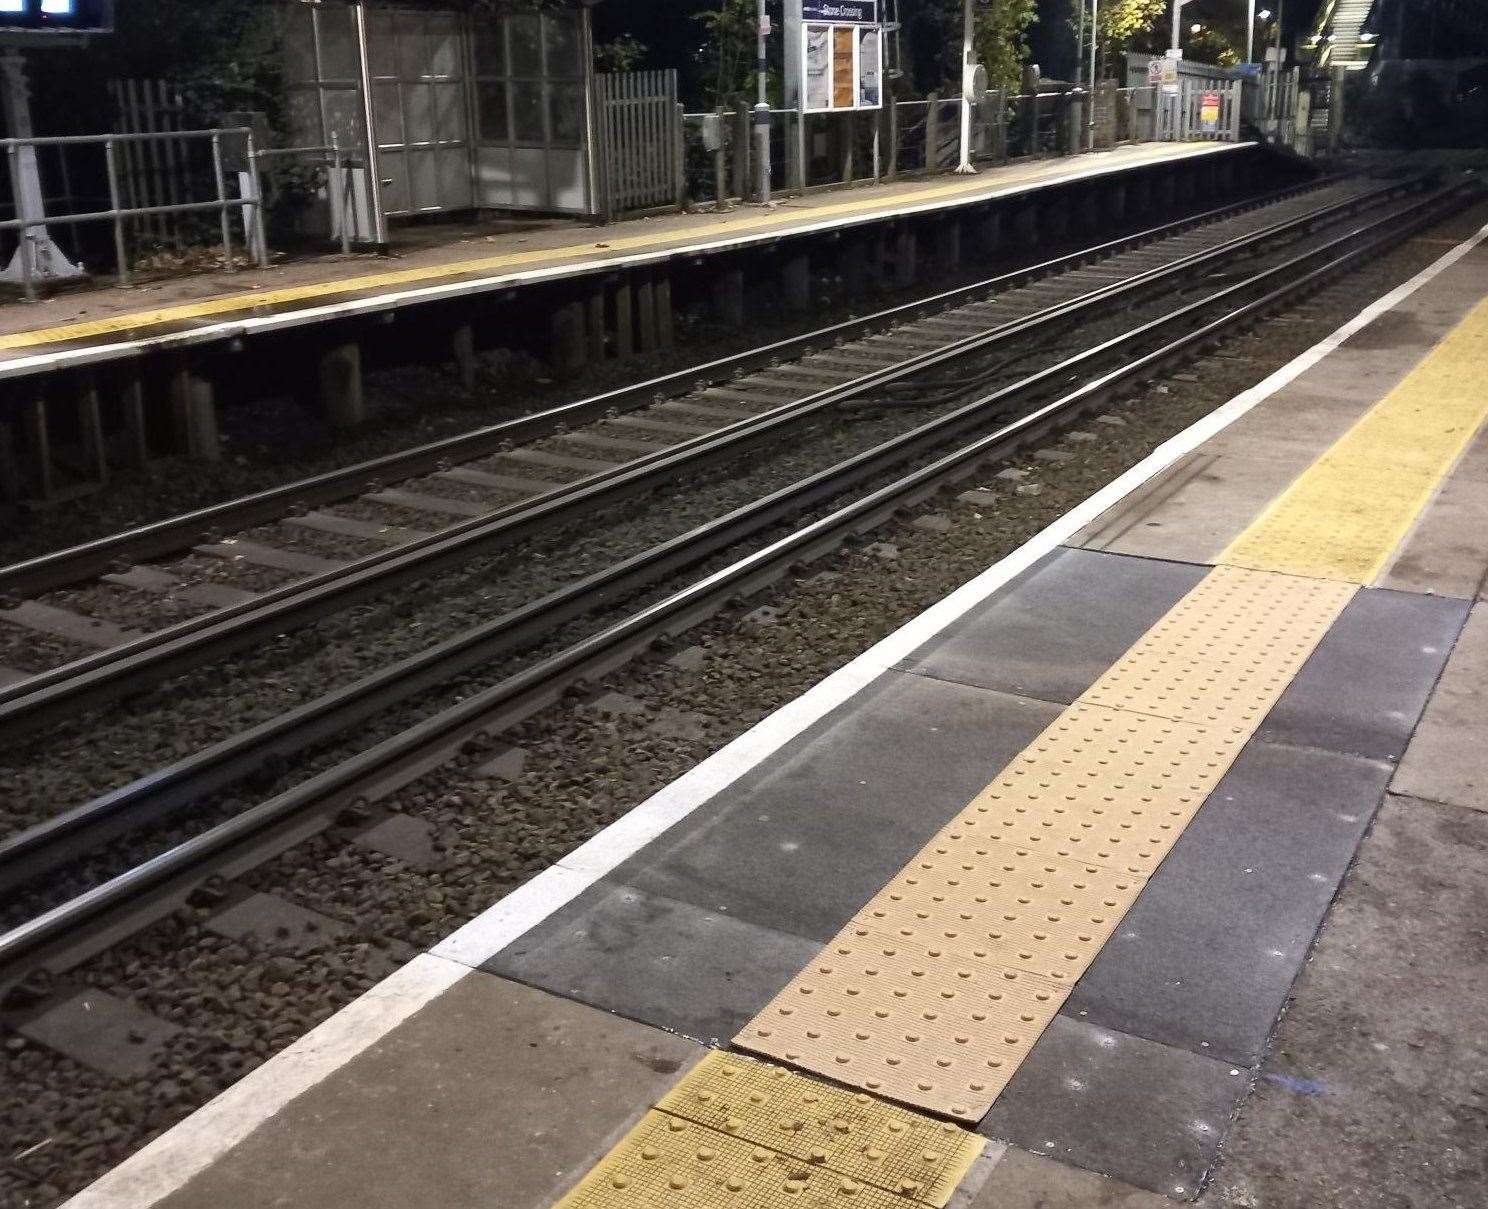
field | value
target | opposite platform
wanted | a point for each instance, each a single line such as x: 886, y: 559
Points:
x: 1263, y: 704
x: 97, y: 325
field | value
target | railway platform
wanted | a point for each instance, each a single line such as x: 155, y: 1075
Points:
x: 1008, y: 912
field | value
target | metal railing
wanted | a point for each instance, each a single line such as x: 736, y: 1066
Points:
x: 249, y: 202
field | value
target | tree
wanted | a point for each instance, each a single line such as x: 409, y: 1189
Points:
x: 1132, y: 25
x: 1000, y: 40
x: 727, y: 56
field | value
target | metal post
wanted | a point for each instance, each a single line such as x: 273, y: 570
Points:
x: 369, y: 121
x: 341, y: 183
x: 23, y: 234
x: 968, y: 75
x: 221, y: 179
x: 121, y: 251
x: 256, y: 228
x: 762, y: 115
x: 1250, y: 34
x: 1094, y: 39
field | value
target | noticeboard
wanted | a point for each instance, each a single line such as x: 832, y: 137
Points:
x: 841, y: 67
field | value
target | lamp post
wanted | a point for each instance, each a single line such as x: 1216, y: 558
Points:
x: 762, y: 111
x: 968, y: 76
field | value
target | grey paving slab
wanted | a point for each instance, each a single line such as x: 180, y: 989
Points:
x: 1447, y: 759
x: 699, y: 973
x: 1191, y: 512
x: 101, y: 1031
x: 1020, y: 1180
x: 276, y: 924
x: 493, y: 1095
x: 1147, y: 1114
x: 1055, y: 630
x: 1365, y: 685
x: 1205, y: 958
x: 807, y: 839
x: 1445, y: 553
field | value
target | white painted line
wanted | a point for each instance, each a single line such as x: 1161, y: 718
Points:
x: 176, y: 1156
x: 227, y: 329
x: 173, y: 1158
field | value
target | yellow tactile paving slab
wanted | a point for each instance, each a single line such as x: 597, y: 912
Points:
x: 1223, y: 654
x: 677, y: 1164
x: 745, y: 223
x: 917, y: 1024
x: 740, y: 1133
x: 1345, y: 515
x: 850, y: 1133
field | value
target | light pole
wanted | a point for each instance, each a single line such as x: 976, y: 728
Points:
x: 968, y: 77
x: 1094, y: 39
x: 762, y: 112
x: 1176, y: 43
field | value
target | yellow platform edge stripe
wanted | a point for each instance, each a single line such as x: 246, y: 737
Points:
x: 1345, y: 515
x: 248, y: 303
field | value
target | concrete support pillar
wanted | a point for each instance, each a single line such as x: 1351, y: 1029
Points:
x: 624, y: 317
x: 39, y: 444
x: 645, y: 307
x: 948, y: 246
x: 987, y: 237
x: 567, y: 340
x: 1167, y: 191
x: 341, y: 385
x: 1088, y: 210
x: 853, y: 254
x: 906, y: 253
x: 1116, y: 202
x: 462, y: 350
x: 90, y: 430
x: 136, y: 434
x: 1025, y: 225
x: 1141, y: 194
x: 594, y: 323
x: 1055, y: 218
x: 795, y: 283
x: 878, y: 259
x: 194, y: 410
x: 728, y: 297
x: 11, y: 486
x: 1188, y: 186
x: 661, y: 293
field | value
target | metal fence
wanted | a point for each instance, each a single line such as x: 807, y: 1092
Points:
x: 237, y: 141
x: 641, y: 145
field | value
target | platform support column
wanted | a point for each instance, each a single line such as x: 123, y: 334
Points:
x: 645, y: 306
x: 623, y: 301
x: 728, y: 298
x: 948, y: 246
x: 988, y: 236
x: 90, y: 429
x: 1116, y: 202
x: 661, y: 292
x: 194, y: 413
x: 340, y: 380
x: 567, y: 341
x: 795, y: 283
x: 1089, y: 210
x: 136, y: 433
x: 1056, y: 218
x: 462, y: 349
x: 1025, y: 225
x: 1167, y: 191
x: 854, y: 254
x: 906, y: 253
x: 11, y: 487
x: 594, y: 323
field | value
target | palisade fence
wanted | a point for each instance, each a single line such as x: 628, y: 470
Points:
x: 639, y: 128
x: 157, y: 171
x: 910, y: 137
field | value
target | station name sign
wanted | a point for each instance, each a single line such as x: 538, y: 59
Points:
x: 855, y: 12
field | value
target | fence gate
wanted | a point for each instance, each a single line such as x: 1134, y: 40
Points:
x: 640, y: 135
x: 1203, y: 111
x: 154, y: 173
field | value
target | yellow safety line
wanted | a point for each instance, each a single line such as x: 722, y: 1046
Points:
x: 428, y: 275
x: 937, y: 990
x: 1345, y: 515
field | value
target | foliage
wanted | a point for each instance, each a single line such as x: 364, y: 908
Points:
x: 625, y: 53
x: 1001, y: 39
x: 727, y: 56
x: 1132, y: 25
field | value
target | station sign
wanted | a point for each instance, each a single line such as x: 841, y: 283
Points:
x: 56, y: 16
x: 834, y: 55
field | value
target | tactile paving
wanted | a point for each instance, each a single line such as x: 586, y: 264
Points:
x: 916, y: 1024
x: 1345, y: 515
x: 850, y: 1133
x: 1003, y: 905
x: 679, y: 1164
x: 1223, y: 655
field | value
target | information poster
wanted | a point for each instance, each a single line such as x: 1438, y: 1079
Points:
x: 870, y: 67
x: 818, y: 67
x: 844, y: 68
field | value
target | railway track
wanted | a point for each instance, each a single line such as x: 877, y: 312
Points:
x: 998, y: 419
x: 730, y: 408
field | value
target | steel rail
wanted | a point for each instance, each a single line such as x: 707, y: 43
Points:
x: 270, y: 827
x: 128, y: 668
x: 74, y: 564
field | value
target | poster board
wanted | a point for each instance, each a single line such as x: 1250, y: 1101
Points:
x: 42, y: 17
x: 834, y: 55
